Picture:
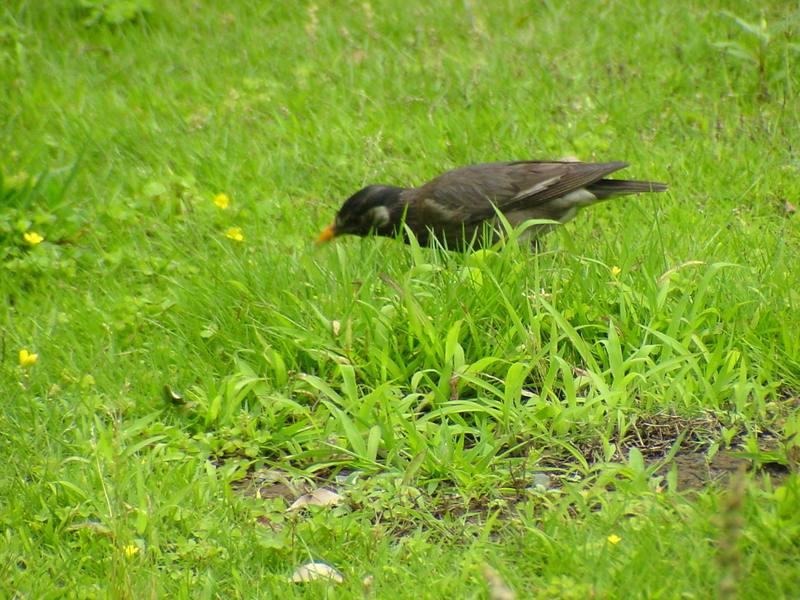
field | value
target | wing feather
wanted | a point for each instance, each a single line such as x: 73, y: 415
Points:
x: 470, y: 194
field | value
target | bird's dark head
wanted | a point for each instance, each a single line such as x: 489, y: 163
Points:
x: 376, y: 209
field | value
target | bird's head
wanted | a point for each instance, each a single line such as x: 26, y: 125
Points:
x: 376, y: 209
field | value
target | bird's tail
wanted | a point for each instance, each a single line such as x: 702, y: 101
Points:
x: 609, y: 188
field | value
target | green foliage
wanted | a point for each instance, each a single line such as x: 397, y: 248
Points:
x: 39, y: 225
x: 114, y: 12
x: 769, y: 49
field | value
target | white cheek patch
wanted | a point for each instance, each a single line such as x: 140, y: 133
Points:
x: 379, y: 216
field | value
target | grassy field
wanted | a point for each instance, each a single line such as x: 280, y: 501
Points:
x: 179, y: 362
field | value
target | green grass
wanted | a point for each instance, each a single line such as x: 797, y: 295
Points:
x: 438, y: 387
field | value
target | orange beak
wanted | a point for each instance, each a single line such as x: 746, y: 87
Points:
x: 327, y: 235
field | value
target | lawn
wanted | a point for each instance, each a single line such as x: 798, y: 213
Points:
x: 615, y: 416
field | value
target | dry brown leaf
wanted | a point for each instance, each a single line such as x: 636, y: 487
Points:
x: 314, y: 571
x: 498, y: 589
x: 172, y: 396
x: 319, y: 497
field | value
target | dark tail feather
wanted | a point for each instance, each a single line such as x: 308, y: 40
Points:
x: 608, y: 188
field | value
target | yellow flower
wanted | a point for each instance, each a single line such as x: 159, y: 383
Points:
x: 235, y: 234
x: 130, y: 550
x: 614, y: 539
x: 27, y: 359
x: 32, y: 238
x: 615, y: 270
x: 222, y: 201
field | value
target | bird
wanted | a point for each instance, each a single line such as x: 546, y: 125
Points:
x: 456, y: 209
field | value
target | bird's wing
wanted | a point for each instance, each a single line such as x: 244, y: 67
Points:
x: 470, y: 194
x: 541, y: 182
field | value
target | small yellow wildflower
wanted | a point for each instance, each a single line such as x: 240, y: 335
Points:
x: 615, y: 270
x: 130, y: 550
x: 235, y: 234
x: 27, y: 359
x: 32, y: 238
x: 614, y: 539
x: 222, y: 201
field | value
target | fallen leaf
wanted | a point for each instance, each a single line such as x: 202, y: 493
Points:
x: 154, y: 189
x: 319, y: 497
x: 314, y: 571
x: 172, y: 396
x: 91, y: 526
x: 498, y: 589
x: 267, y: 484
x: 454, y: 387
x: 540, y: 481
